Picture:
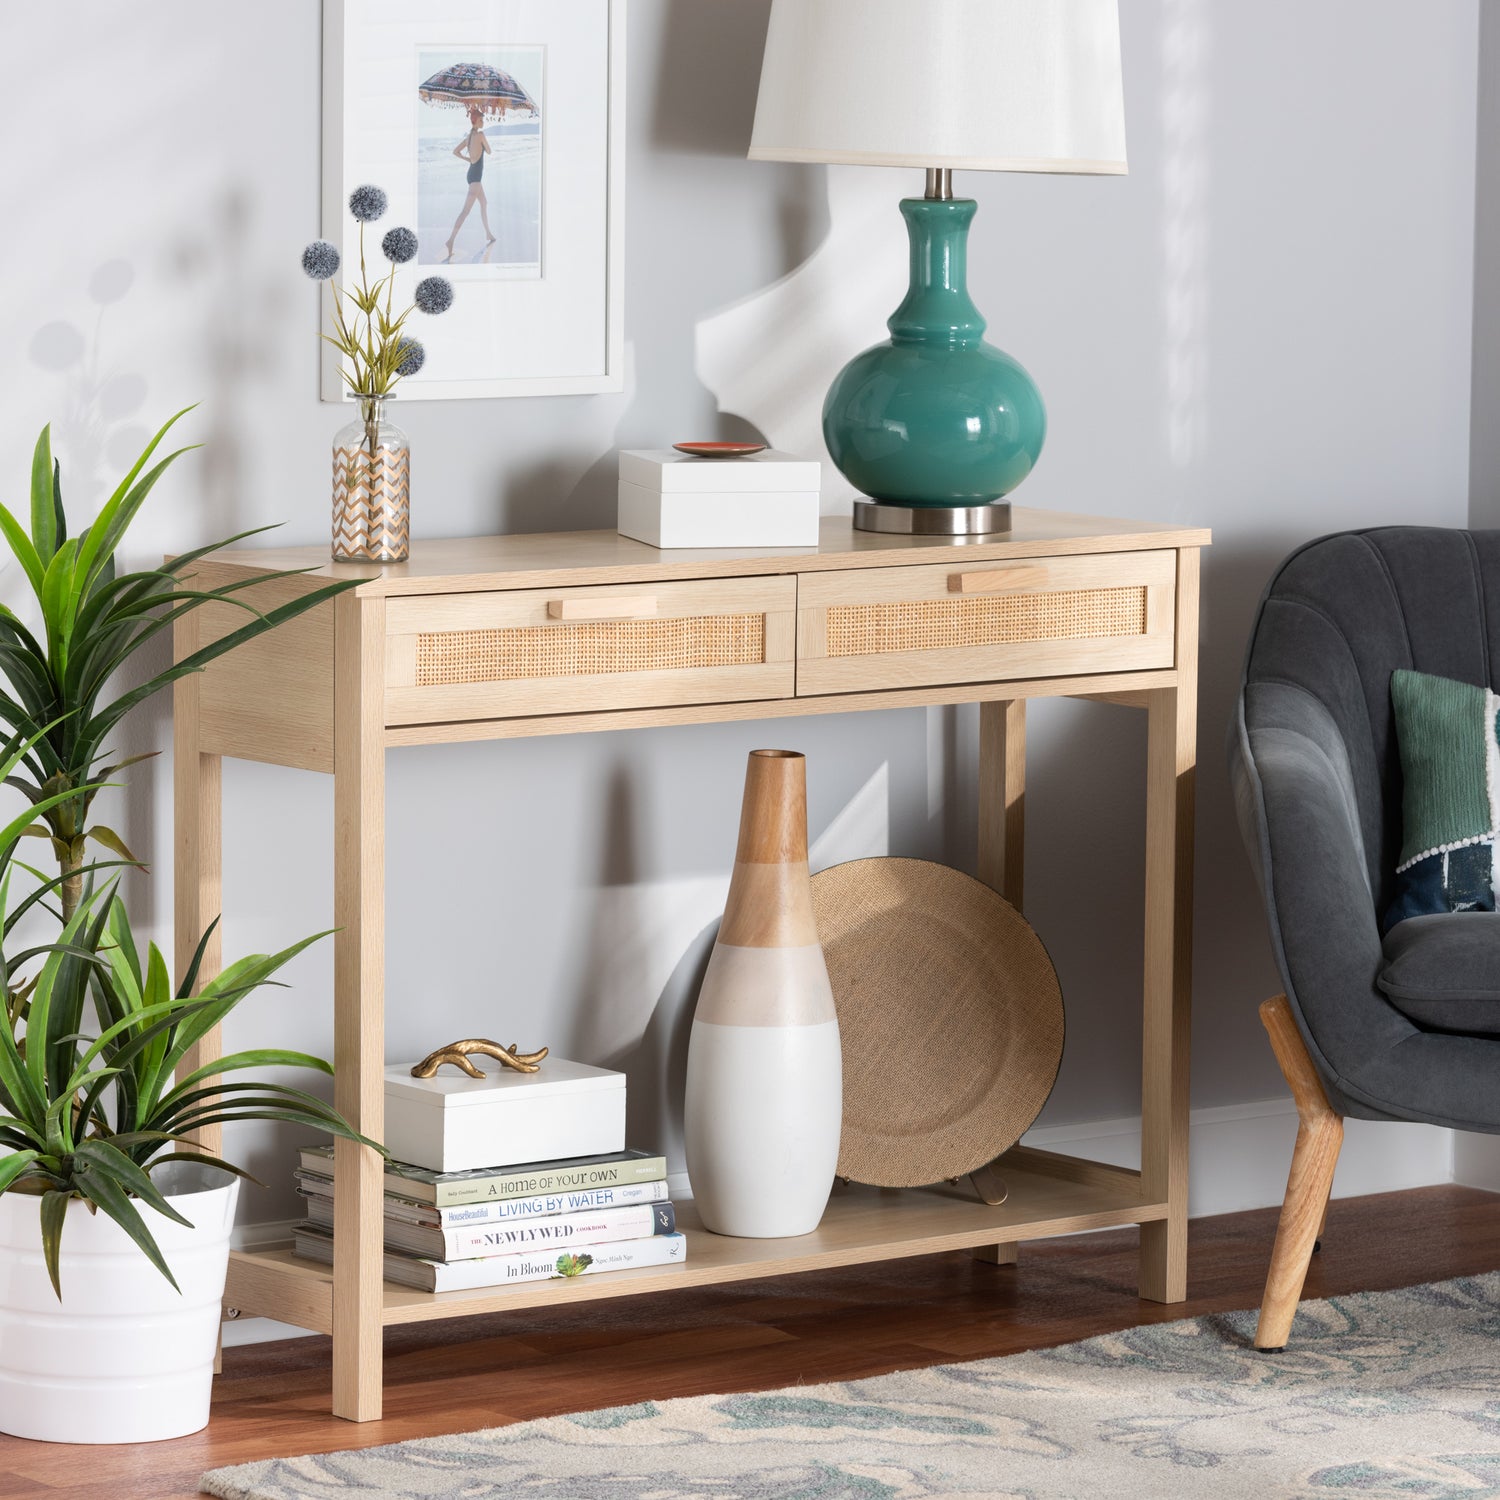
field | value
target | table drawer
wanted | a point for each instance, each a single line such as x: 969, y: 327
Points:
x: 1039, y: 617
x: 577, y: 650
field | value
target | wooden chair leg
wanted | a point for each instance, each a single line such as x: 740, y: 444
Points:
x: 1322, y: 1226
x: 1320, y: 1133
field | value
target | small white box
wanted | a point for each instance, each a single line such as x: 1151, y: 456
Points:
x: 779, y: 518
x: 666, y: 470
x: 453, y: 1123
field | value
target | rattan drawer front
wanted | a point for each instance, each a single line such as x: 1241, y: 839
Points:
x: 904, y: 627
x: 557, y: 651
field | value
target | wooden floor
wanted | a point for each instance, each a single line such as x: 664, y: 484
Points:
x: 837, y: 1325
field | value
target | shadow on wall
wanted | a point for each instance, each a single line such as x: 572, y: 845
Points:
x: 97, y: 423
x: 657, y: 1064
x: 101, y: 428
x: 241, y: 339
x: 693, y: 182
x: 710, y: 67
x: 98, y: 429
x: 709, y: 71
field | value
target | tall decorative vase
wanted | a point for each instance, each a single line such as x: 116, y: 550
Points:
x: 371, y: 487
x: 765, y: 1076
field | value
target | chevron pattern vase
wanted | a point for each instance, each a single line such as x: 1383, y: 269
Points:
x: 371, y: 488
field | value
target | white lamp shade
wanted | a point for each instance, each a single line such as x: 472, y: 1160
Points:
x: 1001, y: 85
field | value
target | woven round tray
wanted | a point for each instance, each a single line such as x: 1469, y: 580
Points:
x: 950, y: 1016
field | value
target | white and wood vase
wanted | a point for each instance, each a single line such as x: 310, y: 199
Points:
x: 764, y: 1076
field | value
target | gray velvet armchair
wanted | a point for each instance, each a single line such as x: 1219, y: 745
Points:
x: 1405, y: 1027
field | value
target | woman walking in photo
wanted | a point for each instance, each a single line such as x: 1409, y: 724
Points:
x: 473, y: 149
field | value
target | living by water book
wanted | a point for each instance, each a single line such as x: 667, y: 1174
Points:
x: 484, y: 1184
x: 317, y: 1187
x: 471, y: 1241
x: 503, y: 1270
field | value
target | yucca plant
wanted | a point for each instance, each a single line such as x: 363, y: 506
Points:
x: 89, y: 1117
x: 94, y: 620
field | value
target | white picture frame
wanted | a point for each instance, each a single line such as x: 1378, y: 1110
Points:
x: 553, y: 328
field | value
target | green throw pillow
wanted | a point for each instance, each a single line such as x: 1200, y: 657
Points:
x: 1449, y: 740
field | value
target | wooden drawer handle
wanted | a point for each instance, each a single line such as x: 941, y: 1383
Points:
x: 638, y: 607
x: 998, y: 580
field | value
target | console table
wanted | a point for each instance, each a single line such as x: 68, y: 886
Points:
x: 496, y: 637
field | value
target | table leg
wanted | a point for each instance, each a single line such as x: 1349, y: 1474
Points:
x: 359, y: 1000
x: 1002, y: 834
x: 1002, y: 797
x: 1171, y: 755
x: 198, y: 802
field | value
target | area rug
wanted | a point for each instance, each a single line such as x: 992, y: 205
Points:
x: 1384, y: 1395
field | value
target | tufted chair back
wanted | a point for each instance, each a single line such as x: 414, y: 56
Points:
x: 1318, y: 785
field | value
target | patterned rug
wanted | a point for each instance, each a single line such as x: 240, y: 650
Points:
x: 1383, y: 1395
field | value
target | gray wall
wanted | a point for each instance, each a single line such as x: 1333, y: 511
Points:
x: 1264, y: 329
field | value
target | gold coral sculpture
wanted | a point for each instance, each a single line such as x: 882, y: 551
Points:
x: 459, y: 1053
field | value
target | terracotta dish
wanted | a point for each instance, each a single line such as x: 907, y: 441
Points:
x: 720, y: 450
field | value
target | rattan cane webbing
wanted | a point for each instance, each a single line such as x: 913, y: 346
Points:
x: 587, y: 649
x: 950, y: 1019
x: 932, y: 624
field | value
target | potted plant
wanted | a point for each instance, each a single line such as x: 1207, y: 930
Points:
x: 114, y: 1223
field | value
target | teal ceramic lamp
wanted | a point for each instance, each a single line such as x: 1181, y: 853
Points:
x: 936, y: 424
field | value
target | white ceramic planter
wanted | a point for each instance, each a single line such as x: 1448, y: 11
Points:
x: 122, y: 1358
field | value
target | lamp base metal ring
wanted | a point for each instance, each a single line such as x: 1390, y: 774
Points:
x: 932, y: 520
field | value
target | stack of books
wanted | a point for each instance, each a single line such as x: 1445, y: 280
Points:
x: 455, y: 1231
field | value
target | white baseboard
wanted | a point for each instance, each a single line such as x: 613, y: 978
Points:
x: 238, y: 1330
x: 1239, y: 1154
x: 1476, y: 1160
x: 1239, y: 1159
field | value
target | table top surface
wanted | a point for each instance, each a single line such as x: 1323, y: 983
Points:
x: 551, y: 559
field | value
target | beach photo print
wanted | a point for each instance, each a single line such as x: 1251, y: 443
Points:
x: 480, y: 117
x: 496, y: 131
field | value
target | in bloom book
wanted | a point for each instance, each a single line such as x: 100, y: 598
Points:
x: 502, y: 1270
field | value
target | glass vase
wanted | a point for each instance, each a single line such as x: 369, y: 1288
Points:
x: 371, y: 487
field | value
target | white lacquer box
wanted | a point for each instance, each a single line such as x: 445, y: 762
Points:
x: 671, y: 499
x: 453, y: 1123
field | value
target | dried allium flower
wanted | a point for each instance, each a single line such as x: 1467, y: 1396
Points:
x: 413, y: 356
x: 320, y: 260
x: 434, y: 294
x: 399, y: 245
x: 367, y: 202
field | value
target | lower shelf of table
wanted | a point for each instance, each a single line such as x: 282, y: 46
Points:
x: 1048, y: 1195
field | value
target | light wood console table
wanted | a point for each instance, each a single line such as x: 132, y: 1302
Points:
x: 497, y: 637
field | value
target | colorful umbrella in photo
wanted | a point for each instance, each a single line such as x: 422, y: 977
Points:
x: 476, y: 84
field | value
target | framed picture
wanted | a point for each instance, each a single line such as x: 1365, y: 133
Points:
x: 497, y: 130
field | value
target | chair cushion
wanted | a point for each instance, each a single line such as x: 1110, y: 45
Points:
x: 1446, y: 732
x: 1444, y: 971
